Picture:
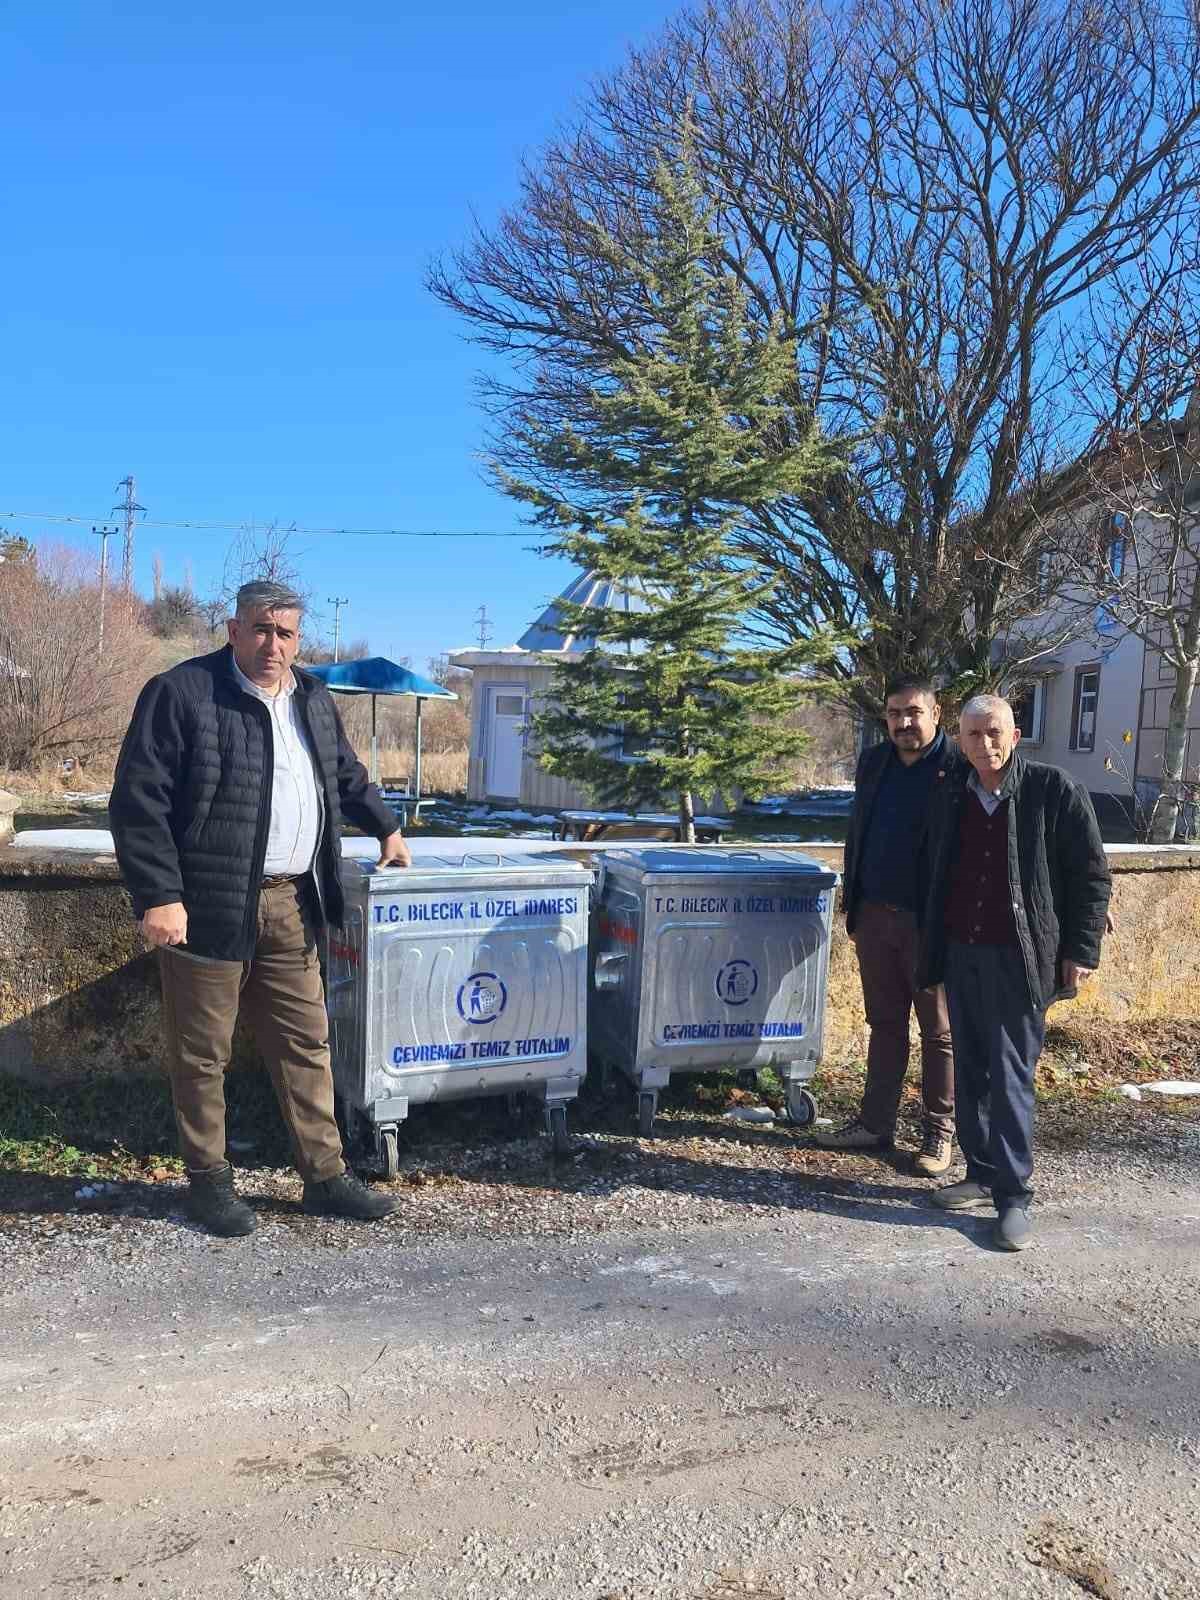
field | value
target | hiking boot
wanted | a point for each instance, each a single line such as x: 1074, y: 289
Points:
x: 346, y: 1196
x: 935, y: 1155
x: 960, y: 1196
x: 1013, y: 1230
x: 852, y: 1135
x: 212, y: 1201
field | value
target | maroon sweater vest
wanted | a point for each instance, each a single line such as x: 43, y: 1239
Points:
x: 978, y: 902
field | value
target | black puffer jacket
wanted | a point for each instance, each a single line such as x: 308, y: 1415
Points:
x: 191, y: 804
x: 1057, y: 873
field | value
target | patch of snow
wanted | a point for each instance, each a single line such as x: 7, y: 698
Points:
x: 750, y: 1114
x: 1172, y: 1086
x: 94, y: 841
x: 791, y: 838
x: 1147, y: 849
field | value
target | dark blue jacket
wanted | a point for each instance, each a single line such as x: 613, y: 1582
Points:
x: 872, y: 764
x: 191, y: 802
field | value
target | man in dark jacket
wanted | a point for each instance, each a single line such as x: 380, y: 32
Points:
x: 1018, y: 891
x: 893, y: 791
x: 226, y: 814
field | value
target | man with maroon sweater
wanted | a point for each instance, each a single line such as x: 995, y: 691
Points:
x: 1017, y: 897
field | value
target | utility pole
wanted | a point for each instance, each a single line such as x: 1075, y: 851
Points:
x: 104, y: 535
x: 337, y: 621
x: 131, y: 508
x: 483, y: 627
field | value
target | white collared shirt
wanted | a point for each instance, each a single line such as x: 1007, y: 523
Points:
x: 297, y: 804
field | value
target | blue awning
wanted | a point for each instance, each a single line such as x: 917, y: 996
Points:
x: 378, y: 675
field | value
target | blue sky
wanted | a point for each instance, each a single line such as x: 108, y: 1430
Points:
x: 216, y: 232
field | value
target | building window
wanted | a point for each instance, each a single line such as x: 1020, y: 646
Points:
x: 1029, y: 711
x: 635, y: 746
x: 1117, y: 546
x: 1083, y: 712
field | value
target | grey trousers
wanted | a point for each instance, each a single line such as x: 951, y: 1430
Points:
x: 998, y: 1037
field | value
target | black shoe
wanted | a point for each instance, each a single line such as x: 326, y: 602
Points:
x: 211, y: 1200
x: 345, y: 1196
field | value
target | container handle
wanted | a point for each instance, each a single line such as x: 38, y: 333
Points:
x: 483, y: 857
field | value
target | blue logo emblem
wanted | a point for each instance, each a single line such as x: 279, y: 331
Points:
x: 482, y: 998
x: 737, y: 982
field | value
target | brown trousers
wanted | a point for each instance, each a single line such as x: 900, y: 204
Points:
x: 885, y: 940
x: 279, y: 992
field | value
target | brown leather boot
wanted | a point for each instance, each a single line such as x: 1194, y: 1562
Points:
x: 935, y: 1155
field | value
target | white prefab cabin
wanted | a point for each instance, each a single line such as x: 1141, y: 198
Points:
x: 510, y: 685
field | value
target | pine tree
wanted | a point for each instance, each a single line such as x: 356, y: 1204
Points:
x: 16, y: 549
x: 690, y: 422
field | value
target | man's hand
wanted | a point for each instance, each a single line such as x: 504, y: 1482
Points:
x: 165, y: 925
x: 394, y: 852
x: 1073, y: 974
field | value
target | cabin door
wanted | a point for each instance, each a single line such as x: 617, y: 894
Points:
x: 506, y: 742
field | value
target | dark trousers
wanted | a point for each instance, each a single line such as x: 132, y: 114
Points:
x: 885, y: 940
x: 280, y: 994
x: 998, y: 1037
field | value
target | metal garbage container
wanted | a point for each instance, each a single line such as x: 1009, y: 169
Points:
x: 464, y: 974
x: 707, y: 959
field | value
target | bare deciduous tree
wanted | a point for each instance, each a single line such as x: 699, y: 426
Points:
x: 1130, y: 543
x: 58, y: 697
x: 931, y: 195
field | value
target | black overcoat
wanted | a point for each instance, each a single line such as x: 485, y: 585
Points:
x: 1058, y: 877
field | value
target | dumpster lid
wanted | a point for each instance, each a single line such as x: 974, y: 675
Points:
x: 473, y: 862
x: 713, y: 860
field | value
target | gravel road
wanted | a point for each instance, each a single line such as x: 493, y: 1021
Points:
x: 717, y: 1365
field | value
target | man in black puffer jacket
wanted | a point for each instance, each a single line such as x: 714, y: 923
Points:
x: 1014, y: 914
x: 226, y: 813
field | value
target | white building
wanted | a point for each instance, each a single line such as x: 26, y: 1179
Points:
x: 513, y: 683
x: 1098, y: 706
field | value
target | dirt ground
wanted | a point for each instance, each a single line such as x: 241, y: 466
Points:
x: 716, y: 1364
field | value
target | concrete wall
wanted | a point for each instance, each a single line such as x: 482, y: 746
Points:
x: 79, y: 996
x: 78, y: 990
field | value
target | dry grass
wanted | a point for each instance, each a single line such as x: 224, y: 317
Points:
x: 48, y: 778
x: 442, y: 772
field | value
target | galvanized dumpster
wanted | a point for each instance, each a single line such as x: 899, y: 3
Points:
x: 465, y: 974
x: 711, y: 958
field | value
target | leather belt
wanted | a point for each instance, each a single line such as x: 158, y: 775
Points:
x: 281, y: 878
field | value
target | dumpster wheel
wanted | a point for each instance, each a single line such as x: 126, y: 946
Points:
x: 801, y: 1107
x: 387, y: 1152
x: 647, y: 1107
x: 556, y: 1124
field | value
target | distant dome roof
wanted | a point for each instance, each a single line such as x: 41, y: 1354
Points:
x: 589, y: 589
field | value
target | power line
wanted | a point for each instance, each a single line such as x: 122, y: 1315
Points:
x: 239, y: 527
